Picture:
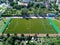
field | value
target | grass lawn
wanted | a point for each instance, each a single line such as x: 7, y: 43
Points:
x: 29, y: 26
x: 57, y: 24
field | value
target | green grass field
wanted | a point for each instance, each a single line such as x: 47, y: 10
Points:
x: 57, y: 24
x: 30, y: 26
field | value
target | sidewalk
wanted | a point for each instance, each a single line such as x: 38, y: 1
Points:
x: 39, y: 35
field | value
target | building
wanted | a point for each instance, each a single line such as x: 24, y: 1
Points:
x: 12, y: 0
x: 23, y: 4
x: 26, y: 0
x: 57, y: 2
x: 47, y: 3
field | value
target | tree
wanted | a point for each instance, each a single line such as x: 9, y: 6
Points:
x: 17, y: 42
x: 12, y: 3
x: 9, y: 41
x: 30, y: 4
x: 0, y: 16
x: 52, y: 43
x: 8, y: 35
x: 32, y: 43
x: 47, y: 35
x: 24, y: 12
x: 16, y: 6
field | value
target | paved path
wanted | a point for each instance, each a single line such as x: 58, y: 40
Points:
x: 39, y: 35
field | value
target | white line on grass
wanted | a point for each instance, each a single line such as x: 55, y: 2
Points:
x: 27, y: 17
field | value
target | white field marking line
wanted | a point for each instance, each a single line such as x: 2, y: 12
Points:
x: 26, y: 17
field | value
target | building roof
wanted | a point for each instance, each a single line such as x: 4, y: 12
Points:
x: 27, y: 0
x: 24, y: 4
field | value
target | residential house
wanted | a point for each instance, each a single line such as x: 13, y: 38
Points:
x: 23, y: 4
x: 26, y: 0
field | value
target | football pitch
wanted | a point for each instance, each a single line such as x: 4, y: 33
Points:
x: 18, y: 25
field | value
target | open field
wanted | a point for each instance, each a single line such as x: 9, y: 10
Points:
x: 30, y: 26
